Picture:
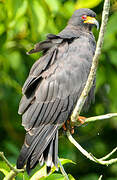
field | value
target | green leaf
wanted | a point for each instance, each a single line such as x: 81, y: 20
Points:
x: 3, y: 165
x: 71, y: 177
x: 22, y: 9
x: 53, y: 5
x: 12, y: 148
x: 65, y: 161
x: 87, y: 4
x: 39, y: 11
x: 15, y: 8
x: 90, y: 177
x: 55, y: 176
x: 14, y: 59
x: 22, y: 176
x: 113, y: 57
x: 68, y: 9
x: 42, y: 172
x: 110, y: 35
x: 40, y: 14
x: 39, y: 174
x: 10, y: 7
x: 19, y: 27
x: 100, y: 77
x: 6, y: 79
x: 4, y: 171
x: 111, y: 39
x: 111, y: 26
x: 38, y: 18
x: 2, y: 29
x: 3, y: 38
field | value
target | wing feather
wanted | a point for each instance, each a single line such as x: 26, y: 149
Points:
x: 54, y: 84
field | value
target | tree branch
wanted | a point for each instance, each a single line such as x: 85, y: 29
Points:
x: 96, y: 118
x: 92, y: 73
x: 13, y: 171
x: 7, y: 162
x: 101, y: 117
x: 10, y: 175
x: 100, y: 178
x: 101, y: 161
x: 108, y: 155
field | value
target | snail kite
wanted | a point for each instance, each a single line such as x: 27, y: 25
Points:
x: 53, y: 86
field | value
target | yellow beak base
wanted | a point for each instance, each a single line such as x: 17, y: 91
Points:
x: 92, y: 20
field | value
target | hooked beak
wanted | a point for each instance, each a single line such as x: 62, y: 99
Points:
x: 92, y: 20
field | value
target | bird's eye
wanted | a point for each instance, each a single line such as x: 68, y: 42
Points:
x: 84, y: 17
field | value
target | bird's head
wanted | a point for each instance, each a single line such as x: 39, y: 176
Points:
x: 84, y: 18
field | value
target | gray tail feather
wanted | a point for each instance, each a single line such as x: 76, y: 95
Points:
x: 41, y: 145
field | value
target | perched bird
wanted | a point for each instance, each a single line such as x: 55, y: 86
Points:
x: 53, y: 86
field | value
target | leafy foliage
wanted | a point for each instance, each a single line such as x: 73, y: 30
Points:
x: 25, y: 22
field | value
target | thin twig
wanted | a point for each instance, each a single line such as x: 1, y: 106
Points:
x: 83, y: 151
x: 100, y: 178
x: 92, y: 73
x: 9, y: 164
x: 13, y: 171
x: 96, y: 118
x: 108, y: 162
x: 10, y: 175
x: 89, y: 155
x: 101, y: 117
x: 62, y: 170
x: 108, y: 155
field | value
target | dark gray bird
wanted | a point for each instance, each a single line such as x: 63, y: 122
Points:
x: 53, y: 86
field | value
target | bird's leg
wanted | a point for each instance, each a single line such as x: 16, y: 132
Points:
x: 81, y: 119
x: 70, y: 126
x: 67, y: 125
x: 72, y: 129
x: 64, y: 127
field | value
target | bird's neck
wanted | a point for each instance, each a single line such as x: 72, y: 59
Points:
x: 71, y: 31
x: 80, y: 28
x: 77, y: 30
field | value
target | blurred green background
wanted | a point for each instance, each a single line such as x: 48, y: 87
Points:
x: 22, y: 24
